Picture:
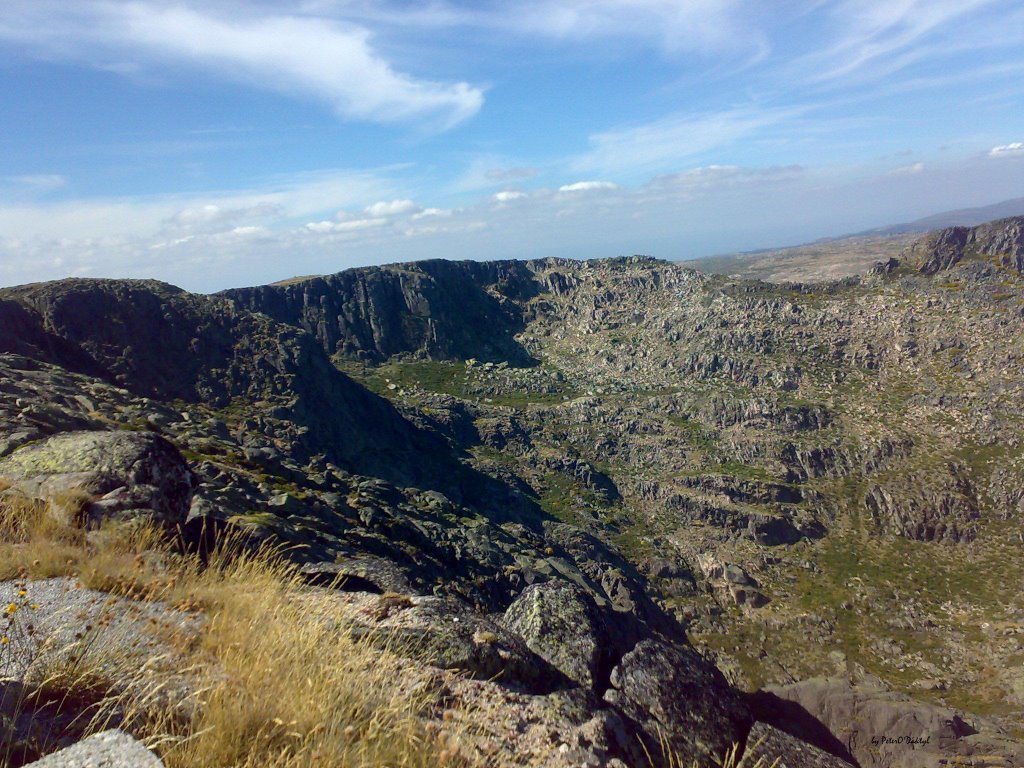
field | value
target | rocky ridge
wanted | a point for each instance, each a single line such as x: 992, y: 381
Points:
x: 591, y: 461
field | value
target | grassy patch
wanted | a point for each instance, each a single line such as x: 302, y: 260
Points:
x: 451, y: 378
x: 742, y: 471
x: 694, y: 433
x: 434, y: 376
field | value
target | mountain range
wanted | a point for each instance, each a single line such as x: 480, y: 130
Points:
x: 669, y: 507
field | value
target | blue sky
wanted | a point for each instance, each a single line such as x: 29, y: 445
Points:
x: 223, y: 143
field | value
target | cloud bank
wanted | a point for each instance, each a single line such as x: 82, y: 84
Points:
x: 254, y: 236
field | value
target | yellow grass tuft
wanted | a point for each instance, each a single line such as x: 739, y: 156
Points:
x: 289, y: 687
x: 277, y: 683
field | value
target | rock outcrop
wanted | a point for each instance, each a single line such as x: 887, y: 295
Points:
x: 122, y: 475
x: 562, y: 624
x: 108, y: 749
x: 1001, y: 241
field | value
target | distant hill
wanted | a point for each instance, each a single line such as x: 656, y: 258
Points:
x: 964, y: 217
x: 811, y: 263
x: 837, y: 257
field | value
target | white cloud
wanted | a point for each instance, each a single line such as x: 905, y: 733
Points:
x: 328, y: 60
x: 285, y: 198
x: 508, y: 196
x: 587, y: 186
x: 392, y: 208
x: 223, y: 239
x: 345, y: 226
x: 1015, y: 149
x: 428, y: 213
x: 321, y: 226
x: 214, y: 218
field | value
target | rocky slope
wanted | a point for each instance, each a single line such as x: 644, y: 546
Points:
x: 660, y: 489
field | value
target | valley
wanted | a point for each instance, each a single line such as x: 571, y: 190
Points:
x: 722, y: 489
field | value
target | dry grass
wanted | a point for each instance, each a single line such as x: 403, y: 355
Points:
x: 290, y: 688
x: 273, y: 683
x: 24, y: 520
x: 734, y: 757
x: 43, y: 540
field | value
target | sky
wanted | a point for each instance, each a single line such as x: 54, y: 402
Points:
x: 226, y: 143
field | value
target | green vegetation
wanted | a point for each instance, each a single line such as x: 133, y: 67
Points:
x: 742, y: 471
x: 496, y: 385
x: 565, y: 500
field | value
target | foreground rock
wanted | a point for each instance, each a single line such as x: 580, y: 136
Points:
x: 109, y: 749
x: 140, y: 646
x: 770, y: 745
x: 562, y: 624
x: 674, y: 695
x: 124, y: 475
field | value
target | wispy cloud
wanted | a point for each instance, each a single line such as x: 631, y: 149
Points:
x: 328, y: 60
x: 721, y: 176
x: 674, y: 139
x: 874, y: 38
x: 702, y: 26
x: 38, y: 182
x: 506, y: 174
x: 1014, y: 149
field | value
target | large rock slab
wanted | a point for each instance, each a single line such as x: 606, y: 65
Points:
x: 781, y: 750
x: 109, y: 749
x: 678, y: 699
x: 448, y: 634
x: 562, y: 624
x: 127, y: 474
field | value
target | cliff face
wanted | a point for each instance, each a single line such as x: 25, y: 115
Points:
x: 158, y: 341
x: 1000, y: 241
x: 435, y: 309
